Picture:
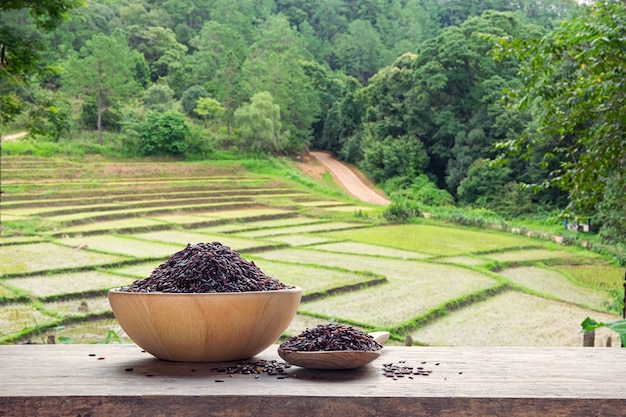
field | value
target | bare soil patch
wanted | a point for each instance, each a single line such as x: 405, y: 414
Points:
x: 311, y: 167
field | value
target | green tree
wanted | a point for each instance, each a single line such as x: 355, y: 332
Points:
x: 189, y: 99
x: 110, y: 117
x: 208, y: 108
x: 137, y: 14
x: 260, y: 127
x: 47, y: 14
x: 390, y: 146
x: 22, y: 45
x: 142, y: 70
x: 544, y: 12
x: 329, y: 87
x: 454, y: 104
x: 159, y: 97
x: 48, y: 115
x: 401, y: 156
x: 493, y: 187
x: 217, y: 63
x: 163, y: 53
x: 276, y: 65
x: 386, y: 100
x: 212, y: 46
x: 164, y: 134
x: 83, y: 23
x: 343, y: 121
x: 574, y: 76
x: 420, y: 190
x: 226, y: 86
x: 104, y: 70
x: 359, y: 51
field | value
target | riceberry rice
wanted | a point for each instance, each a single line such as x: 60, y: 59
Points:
x: 206, y: 268
x: 331, y: 337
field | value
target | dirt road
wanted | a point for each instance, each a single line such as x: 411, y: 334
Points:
x: 13, y: 136
x: 349, y: 180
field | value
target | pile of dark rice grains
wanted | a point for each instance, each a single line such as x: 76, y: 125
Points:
x: 206, y: 268
x: 331, y: 337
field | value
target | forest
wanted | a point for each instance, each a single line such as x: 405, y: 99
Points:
x: 514, y: 107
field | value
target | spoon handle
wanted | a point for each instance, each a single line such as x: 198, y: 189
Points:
x: 380, y: 337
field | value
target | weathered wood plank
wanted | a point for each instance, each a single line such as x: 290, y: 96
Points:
x: 64, y: 380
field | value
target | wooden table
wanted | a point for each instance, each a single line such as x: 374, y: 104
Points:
x: 121, y: 380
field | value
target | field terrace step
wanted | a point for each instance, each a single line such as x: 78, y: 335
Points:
x: 57, y: 211
x: 299, y: 240
x: 90, y: 168
x: 122, y: 245
x: 19, y: 240
x: 67, y: 285
x: 81, y: 216
x: 125, y: 183
x: 122, y: 226
x: 185, y: 237
x: 325, y: 203
x: 27, y: 259
x: 167, y: 221
x: 79, y: 198
x: 368, y: 249
x: 311, y: 228
x: 250, y: 226
x: 76, y: 215
x: 59, y: 174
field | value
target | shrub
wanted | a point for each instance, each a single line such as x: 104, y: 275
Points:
x: 199, y: 146
x: 420, y: 190
x: 401, y: 211
x: 164, y: 134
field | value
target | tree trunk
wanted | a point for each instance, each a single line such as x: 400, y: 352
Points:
x: 100, y: 106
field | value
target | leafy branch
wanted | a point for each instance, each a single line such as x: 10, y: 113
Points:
x: 619, y: 326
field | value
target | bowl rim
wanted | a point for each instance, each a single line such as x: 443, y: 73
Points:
x: 295, y: 289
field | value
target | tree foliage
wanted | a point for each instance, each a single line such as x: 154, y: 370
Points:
x: 104, y: 71
x: 574, y: 80
x: 277, y: 65
x: 22, y: 44
x: 189, y: 99
x: 164, y: 134
x: 163, y: 53
x: 457, y: 88
x: 47, y: 14
x: 159, y: 97
x: 260, y: 127
x: 208, y: 108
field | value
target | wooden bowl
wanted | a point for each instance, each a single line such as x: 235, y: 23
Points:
x: 205, y: 327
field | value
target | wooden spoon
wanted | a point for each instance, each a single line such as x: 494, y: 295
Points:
x: 334, y: 359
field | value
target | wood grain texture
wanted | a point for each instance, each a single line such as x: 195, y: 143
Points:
x: 201, y: 327
x: 121, y: 380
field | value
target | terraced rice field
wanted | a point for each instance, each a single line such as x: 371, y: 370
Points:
x: 102, y: 224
